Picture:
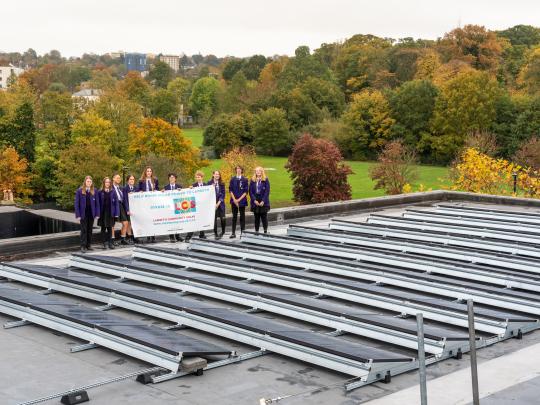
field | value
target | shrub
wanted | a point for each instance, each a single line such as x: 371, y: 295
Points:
x: 318, y: 172
x: 271, y: 134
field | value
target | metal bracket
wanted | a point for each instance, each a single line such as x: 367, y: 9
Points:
x: 83, y: 347
x: 16, y: 324
x: 106, y: 307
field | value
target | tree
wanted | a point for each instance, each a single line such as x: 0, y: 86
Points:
x: 395, y: 168
x: 156, y: 138
x: 90, y: 127
x: 180, y: 88
x: 253, y: 66
x: 299, y: 108
x: 529, y: 77
x: 228, y: 131
x: 56, y: 108
x: 325, y: 95
x: 318, y: 172
x: 522, y: 35
x: 13, y: 172
x: 160, y: 74
x: 244, y: 157
x: 164, y: 105
x: 412, y: 107
x: 203, y: 100
x: 427, y: 64
x: 368, y: 124
x: 302, y: 66
x: 19, y: 131
x: 528, y: 154
x: 102, y: 79
x: 232, y: 66
x: 271, y: 132
x: 135, y: 88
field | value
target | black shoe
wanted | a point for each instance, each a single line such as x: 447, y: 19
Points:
x: 203, y: 236
x: 153, y: 239
x: 105, y: 246
x: 232, y: 236
x: 217, y: 237
x: 188, y: 238
x: 83, y: 249
x: 130, y: 241
x: 124, y: 242
x: 89, y: 248
x: 179, y: 238
x: 172, y: 239
x: 265, y: 231
x: 114, y: 242
x: 111, y: 245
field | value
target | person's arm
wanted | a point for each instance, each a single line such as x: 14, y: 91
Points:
x: 266, y: 195
x: 77, y: 200
x: 97, y: 196
x: 233, y: 197
x: 156, y: 185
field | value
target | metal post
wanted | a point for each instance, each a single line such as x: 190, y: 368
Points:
x: 514, y: 175
x: 421, y: 358
x: 124, y: 169
x: 472, y: 344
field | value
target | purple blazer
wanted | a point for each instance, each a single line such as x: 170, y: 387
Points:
x: 142, y: 186
x: 264, y: 192
x: 237, y: 188
x: 125, y: 191
x: 115, y: 205
x: 176, y: 187
x: 220, y: 195
x: 80, y: 204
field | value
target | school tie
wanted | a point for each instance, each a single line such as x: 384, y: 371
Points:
x: 148, y: 186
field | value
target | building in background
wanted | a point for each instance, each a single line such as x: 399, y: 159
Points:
x: 135, y: 61
x: 87, y: 95
x: 172, y: 60
x: 7, y: 72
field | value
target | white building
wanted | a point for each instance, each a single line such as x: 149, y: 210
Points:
x: 6, y: 72
x: 87, y: 94
x: 172, y: 60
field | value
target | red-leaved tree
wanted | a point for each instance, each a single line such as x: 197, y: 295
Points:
x: 318, y: 172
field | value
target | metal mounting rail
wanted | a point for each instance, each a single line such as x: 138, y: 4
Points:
x: 484, y: 209
x: 452, y: 228
x: 506, y: 217
x: 343, y: 323
x: 501, y: 329
x: 390, y: 259
x: 501, y: 260
x: 441, y: 239
x: 460, y: 220
x: 368, y: 371
x: 88, y: 333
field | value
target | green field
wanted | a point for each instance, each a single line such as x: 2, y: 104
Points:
x: 362, y: 186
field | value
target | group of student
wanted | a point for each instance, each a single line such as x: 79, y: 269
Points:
x: 110, y: 204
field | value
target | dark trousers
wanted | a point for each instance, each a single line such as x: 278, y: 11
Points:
x: 221, y: 215
x: 235, y: 211
x: 106, y: 234
x: 87, y: 224
x: 190, y: 235
x: 261, y: 216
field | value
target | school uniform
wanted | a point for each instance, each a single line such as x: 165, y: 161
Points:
x: 220, y: 210
x: 259, y: 190
x: 150, y: 184
x: 122, y: 211
x: 86, y: 209
x: 201, y: 233
x: 169, y: 187
x: 109, y: 211
x: 238, y: 186
x: 125, y: 201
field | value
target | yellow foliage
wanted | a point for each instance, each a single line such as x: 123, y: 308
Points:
x: 13, y: 172
x: 244, y: 157
x: 407, y: 188
x: 479, y: 173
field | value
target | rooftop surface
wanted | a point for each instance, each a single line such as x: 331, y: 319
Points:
x: 37, y: 362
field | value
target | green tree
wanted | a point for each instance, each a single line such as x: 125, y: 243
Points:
x: 19, y: 131
x: 181, y: 89
x: 102, y: 80
x: 271, y: 132
x: 56, y: 108
x: 299, y: 108
x: 325, y: 95
x: 135, y: 88
x: 164, y: 105
x: 302, y: 66
x: 160, y: 74
x: 203, y: 100
x: 231, y: 67
x: 253, y: 66
x: 90, y: 127
x: 522, y: 35
x: 228, y: 131
x: 368, y: 125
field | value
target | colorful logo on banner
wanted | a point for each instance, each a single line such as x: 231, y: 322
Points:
x: 184, y: 205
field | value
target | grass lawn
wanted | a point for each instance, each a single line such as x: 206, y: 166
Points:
x: 362, y: 186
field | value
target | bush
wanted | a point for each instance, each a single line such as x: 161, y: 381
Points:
x: 395, y: 168
x: 271, y: 132
x: 529, y: 153
x: 228, y: 131
x: 318, y: 172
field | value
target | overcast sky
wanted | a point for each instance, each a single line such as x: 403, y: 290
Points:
x: 237, y: 27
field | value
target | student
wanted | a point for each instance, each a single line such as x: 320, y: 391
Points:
x: 238, y: 188
x: 199, y: 182
x: 148, y: 182
x: 259, y: 194
x: 108, y: 204
x: 220, y: 202
x: 173, y: 186
x: 122, y: 211
x: 86, y: 209
x: 129, y: 188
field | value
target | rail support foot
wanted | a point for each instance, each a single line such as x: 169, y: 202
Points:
x: 75, y: 398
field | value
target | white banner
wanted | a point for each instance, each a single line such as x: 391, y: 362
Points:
x: 177, y: 211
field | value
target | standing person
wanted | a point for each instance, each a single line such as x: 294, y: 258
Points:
x: 122, y: 211
x: 129, y: 188
x: 108, y: 204
x: 148, y: 182
x: 220, y: 202
x: 199, y: 182
x: 238, y: 188
x: 259, y: 194
x: 173, y: 186
x: 86, y: 209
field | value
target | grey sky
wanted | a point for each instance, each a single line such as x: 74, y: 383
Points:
x: 237, y: 27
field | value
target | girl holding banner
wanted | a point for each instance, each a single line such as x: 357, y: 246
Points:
x: 148, y: 182
x: 129, y: 188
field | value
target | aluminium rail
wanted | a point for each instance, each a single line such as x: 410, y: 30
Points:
x: 507, y: 217
x: 367, y: 372
x: 534, y: 214
x: 411, y: 263
x: 460, y: 220
x: 400, y: 306
x: 445, y: 240
x: 451, y: 228
x: 342, y: 323
x: 414, y: 247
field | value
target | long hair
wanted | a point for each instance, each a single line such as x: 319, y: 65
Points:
x: 220, y: 178
x: 129, y: 177
x: 83, y: 187
x: 143, y: 174
x: 103, y: 183
x: 263, y: 174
